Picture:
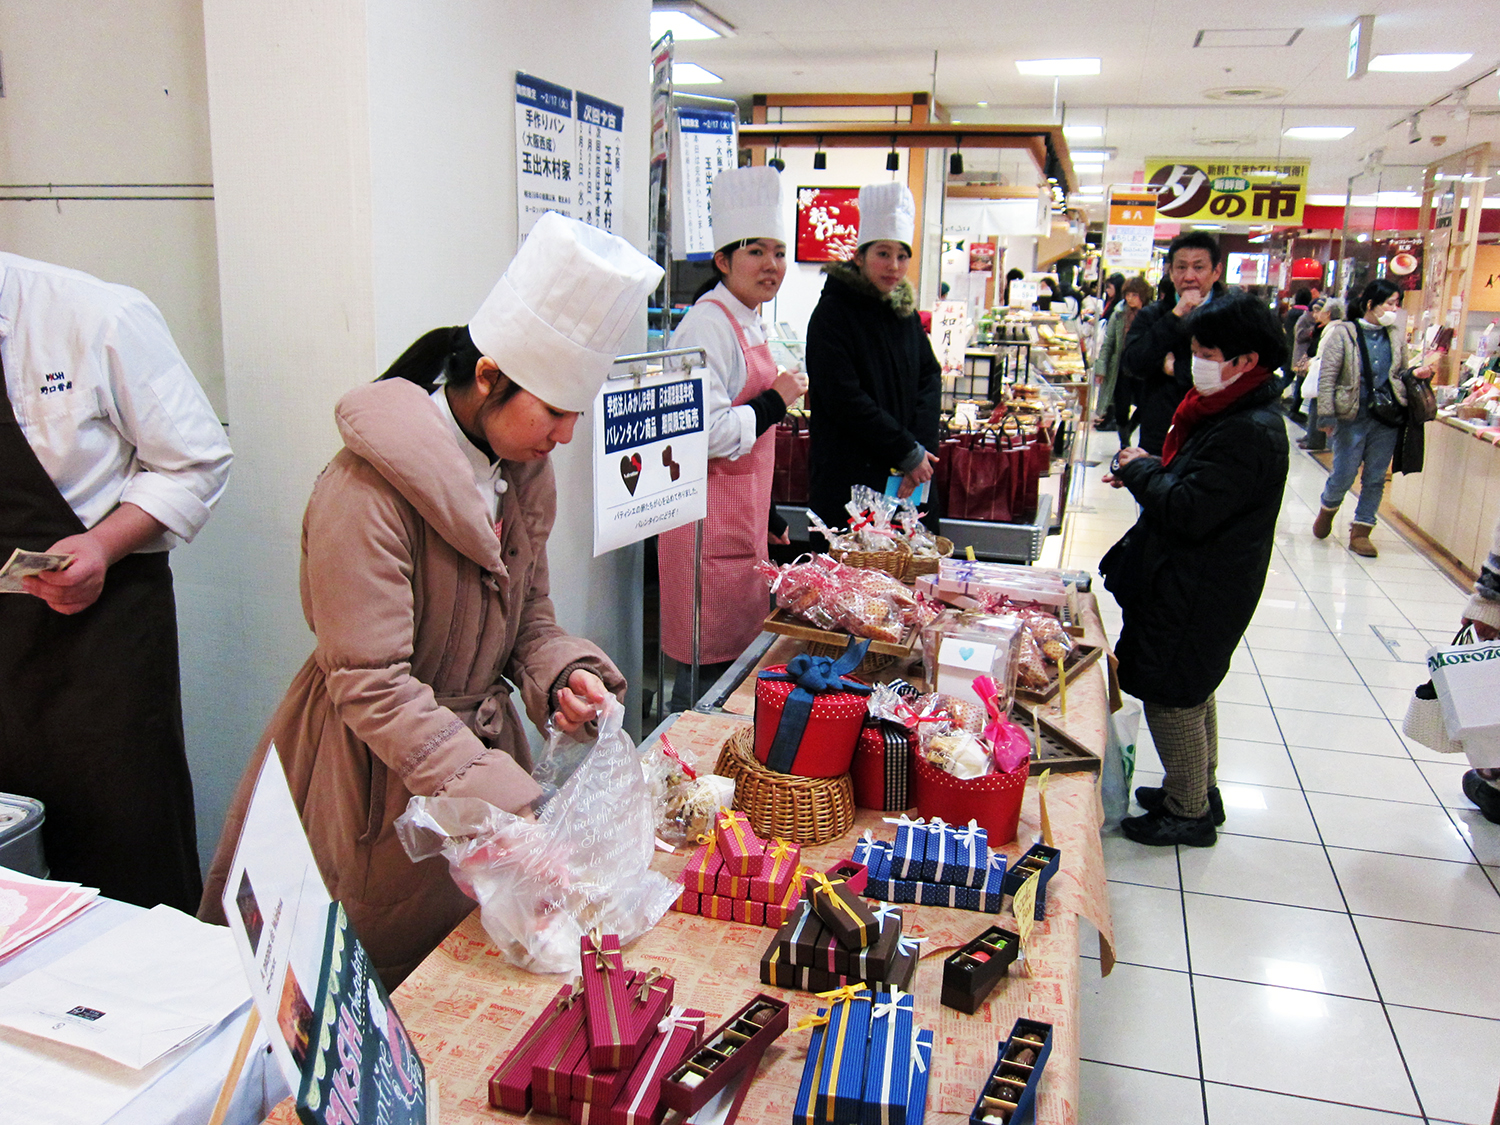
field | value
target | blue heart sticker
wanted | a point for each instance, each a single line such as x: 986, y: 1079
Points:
x: 966, y: 651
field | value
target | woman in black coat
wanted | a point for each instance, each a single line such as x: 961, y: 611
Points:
x: 873, y: 380
x: 1189, y: 574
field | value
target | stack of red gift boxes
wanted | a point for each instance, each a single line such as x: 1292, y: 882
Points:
x: 601, y: 1049
x: 737, y: 876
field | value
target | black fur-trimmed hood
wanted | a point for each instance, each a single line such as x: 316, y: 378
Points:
x: 902, y: 299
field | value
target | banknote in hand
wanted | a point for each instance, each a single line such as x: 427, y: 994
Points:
x: 24, y: 564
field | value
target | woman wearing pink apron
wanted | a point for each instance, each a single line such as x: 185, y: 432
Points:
x: 745, y: 397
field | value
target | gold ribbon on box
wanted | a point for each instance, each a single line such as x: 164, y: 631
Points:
x: 845, y: 996
x: 823, y: 883
x: 649, y: 978
x: 603, y: 964
x: 555, y: 1010
x: 777, y: 855
x: 734, y: 823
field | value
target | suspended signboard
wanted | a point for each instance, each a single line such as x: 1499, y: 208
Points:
x: 1242, y: 190
x: 1131, y: 229
x: 704, y: 145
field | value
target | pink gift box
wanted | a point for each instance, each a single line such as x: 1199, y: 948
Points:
x: 702, y: 871
x: 751, y: 913
x: 778, y: 913
x: 740, y: 849
x: 721, y: 909
x: 510, y: 1084
x: 781, y: 858
x: 733, y: 886
x: 687, y: 902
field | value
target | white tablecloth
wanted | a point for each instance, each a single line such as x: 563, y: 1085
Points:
x: 185, y: 1093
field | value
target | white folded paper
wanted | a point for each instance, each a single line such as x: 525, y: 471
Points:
x: 135, y: 993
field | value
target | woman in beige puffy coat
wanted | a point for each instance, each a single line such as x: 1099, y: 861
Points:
x: 424, y: 578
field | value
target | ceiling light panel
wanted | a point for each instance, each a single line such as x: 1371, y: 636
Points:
x: 1052, y: 68
x: 1247, y: 37
x: 1083, y: 132
x: 687, y: 19
x: 1318, y: 132
x: 1417, y: 64
x: 691, y: 74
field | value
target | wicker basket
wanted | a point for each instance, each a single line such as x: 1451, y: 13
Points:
x: 929, y: 564
x: 893, y: 563
x: 805, y: 810
x: 872, y: 663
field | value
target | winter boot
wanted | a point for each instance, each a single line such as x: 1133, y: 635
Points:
x: 1359, y: 540
x: 1323, y: 523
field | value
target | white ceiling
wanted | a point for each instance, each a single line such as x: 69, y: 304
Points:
x: 1151, y: 95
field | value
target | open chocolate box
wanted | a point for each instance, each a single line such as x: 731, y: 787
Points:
x: 1038, y: 858
x: 738, y: 1043
x: 970, y: 975
x: 1009, y: 1095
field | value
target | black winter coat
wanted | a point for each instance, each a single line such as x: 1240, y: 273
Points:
x: 1157, y: 332
x: 1189, y: 574
x: 873, y: 385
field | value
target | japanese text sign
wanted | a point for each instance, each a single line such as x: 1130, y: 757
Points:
x: 1239, y: 189
x: 601, y: 131
x: 827, y: 223
x: 1131, y: 229
x: 705, y: 146
x: 546, y: 155
x: 650, y: 459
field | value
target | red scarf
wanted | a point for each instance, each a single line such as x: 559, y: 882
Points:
x: 1194, y: 408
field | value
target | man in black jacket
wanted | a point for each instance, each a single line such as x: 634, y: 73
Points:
x: 1159, y: 335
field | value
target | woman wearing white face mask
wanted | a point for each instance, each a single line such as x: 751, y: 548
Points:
x: 1358, y: 358
x: 1189, y: 574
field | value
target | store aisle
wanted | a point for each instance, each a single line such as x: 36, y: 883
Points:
x: 1333, y: 959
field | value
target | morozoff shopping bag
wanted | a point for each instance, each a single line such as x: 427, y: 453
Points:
x: 1467, y: 681
x: 1123, y: 728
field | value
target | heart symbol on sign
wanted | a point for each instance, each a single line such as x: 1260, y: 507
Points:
x: 630, y: 471
x: 966, y: 651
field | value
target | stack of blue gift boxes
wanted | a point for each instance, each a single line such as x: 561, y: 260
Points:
x: 867, y: 1063
x: 935, y: 864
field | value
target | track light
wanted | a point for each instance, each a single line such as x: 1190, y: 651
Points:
x: 776, y: 161
x: 892, y: 161
x: 820, y: 158
x: 1461, y: 106
x: 956, y: 161
x: 1414, y: 133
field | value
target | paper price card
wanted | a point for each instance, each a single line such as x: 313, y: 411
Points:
x: 650, y: 460
x: 1024, y: 907
x: 1041, y: 794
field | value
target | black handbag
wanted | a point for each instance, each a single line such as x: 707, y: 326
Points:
x: 1382, y: 402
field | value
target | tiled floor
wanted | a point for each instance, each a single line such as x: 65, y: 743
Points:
x: 1335, y: 959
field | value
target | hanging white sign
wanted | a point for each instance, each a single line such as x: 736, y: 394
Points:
x: 702, y: 148
x: 650, y: 459
x: 546, y: 154
x: 950, y: 334
x: 601, y: 126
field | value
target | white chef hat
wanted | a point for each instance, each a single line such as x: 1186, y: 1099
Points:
x: 887, y: 211
x: 555, y: 319
x: 748, y: 203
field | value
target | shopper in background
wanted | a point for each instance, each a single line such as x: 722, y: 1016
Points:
x: 746, y: 395
x: 111, y: 453
x: 1190, y: 572
x: 425, y: 582
x: 1158, y: 352
x: 1357, y: 358
x: 1301, y: 300
x: 874, y: 385
x: 1114, y: 392
x: 1482, y: 785
x: 1011, y: 275
x: 1324, y: 311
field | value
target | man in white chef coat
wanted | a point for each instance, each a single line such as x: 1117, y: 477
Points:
x: 111, y: 453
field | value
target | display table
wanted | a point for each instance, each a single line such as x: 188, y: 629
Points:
x: 465, y: 1007
x: 1455, y: 499
x: 188, y: 1083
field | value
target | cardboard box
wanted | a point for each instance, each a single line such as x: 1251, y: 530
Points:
x: 1010, y: 1091
x: 639, y: 1103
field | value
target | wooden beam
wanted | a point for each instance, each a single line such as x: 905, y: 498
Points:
x: 788, y: 101
x: 1033, y: 139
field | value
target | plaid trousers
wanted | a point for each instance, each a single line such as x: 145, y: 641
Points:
x: 1187, y: 741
